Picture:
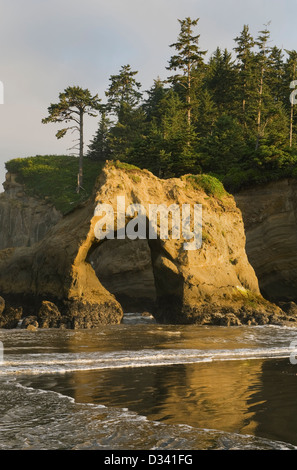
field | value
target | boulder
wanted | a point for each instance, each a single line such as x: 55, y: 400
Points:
x: 2, y: 305
x: 30, y: 323
x: 11, y: 317
x: 49, y: 315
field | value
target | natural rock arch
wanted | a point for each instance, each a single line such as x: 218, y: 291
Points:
x: 200, y: 286
x: 124, y: 268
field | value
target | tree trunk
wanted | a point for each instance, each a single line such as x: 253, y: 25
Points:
x: 292, y: 110
x: 81, y: 151
x: 259, y: 109
x: 189, y: 96
x: 189, y: 109
x: 291, y: 125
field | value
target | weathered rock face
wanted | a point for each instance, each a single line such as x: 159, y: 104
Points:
x: 85, y: 278
x: 55, y: 270
x: 270, y: 219
x: 124, y: 268
x: 24, y: 220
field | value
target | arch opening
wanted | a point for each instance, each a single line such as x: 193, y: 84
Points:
x: 124, y: 268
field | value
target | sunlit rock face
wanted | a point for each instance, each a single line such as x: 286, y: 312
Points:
x: 92, y: 280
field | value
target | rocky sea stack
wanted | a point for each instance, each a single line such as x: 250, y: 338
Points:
x: 70, y: 279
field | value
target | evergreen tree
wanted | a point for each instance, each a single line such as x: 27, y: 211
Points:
x: 263, y: 62
x: 207, y: 114
x: 225, y: 148
x: 189, y: 57
x: 229, y: 117
x: 221, y: 80
x: 275, y: 75
x: 73, y: 104
x: 246, y: 75
x: 99, y: 148
x: 123, y: 102
x: 123, y: 93
x: 165, y: 133
x: 151, y: 105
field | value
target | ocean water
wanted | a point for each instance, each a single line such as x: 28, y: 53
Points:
x: 145, y: 386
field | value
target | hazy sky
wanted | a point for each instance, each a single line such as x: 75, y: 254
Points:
x: 47, y: 45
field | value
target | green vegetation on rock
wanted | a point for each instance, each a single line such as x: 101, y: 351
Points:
x: 211, y: 185
x: 54, y: 177
x: 125, y: 166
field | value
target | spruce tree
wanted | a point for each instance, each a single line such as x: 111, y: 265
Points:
x: 275, y: 75
x: 189, y: 57
x: 207, y: 114
x: 165, y: 137
x: 123, y: 102
x: 245, y: 61
x: 263, y: 62
x: 99, y: 148
x: 221, y: 80
x: 123, y: 92
x: 151, y: 105
x: 225, y: 148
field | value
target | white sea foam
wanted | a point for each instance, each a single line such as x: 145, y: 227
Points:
x: 47, y: 419
x: 37, y: 363
x: 33, y: 418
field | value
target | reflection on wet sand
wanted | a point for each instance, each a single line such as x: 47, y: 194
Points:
x: 208, y: 395
x: 235, y: 395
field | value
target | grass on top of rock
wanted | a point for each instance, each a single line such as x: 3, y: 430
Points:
x: 211, y: 185
x: 124, y: 166
x: 54, y: 178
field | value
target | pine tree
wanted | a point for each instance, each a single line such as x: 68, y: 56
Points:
x: 275, y: 75
x: 123, y: 102
x: 263, y: 62
x: 189, y: 57
x: 221, y: 80
x: 74, y: 103
x: 151, y: 105
x: 123, y: 93
x: 225, y: 147
x: 246, y: 74
x: 99, y: 148
x: 207, y: 114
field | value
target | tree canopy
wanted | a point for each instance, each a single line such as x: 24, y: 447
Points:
x: 226, y: 112
x: 73, y: 104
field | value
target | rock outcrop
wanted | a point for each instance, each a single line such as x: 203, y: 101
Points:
x: 270, y: 218
x: 85, y: 279
x: 55, y: 269
x: 24, y: 220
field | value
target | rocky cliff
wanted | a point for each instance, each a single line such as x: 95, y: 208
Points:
x: 71, y: 278
x: 270, y: 218
x: 24, y: 220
